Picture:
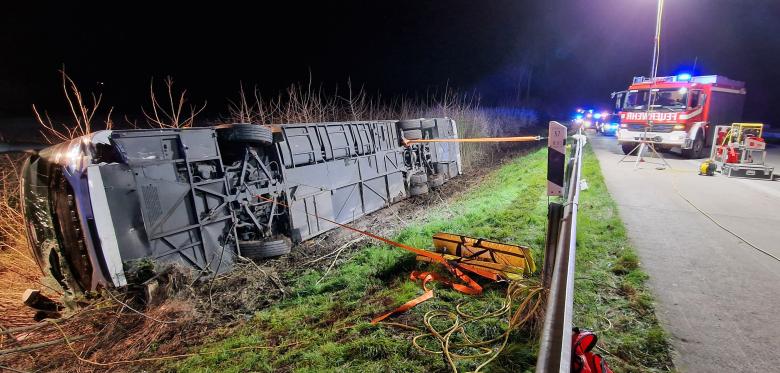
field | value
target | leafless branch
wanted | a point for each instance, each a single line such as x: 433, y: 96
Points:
x: 172, y: 113
x: 82, y: 114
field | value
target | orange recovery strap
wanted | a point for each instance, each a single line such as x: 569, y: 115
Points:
x: 470, y: 287
x: 492, y: 260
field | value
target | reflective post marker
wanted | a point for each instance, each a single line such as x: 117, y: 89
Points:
x: 556, y: 157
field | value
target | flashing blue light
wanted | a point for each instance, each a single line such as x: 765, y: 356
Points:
x: 578, y: 116
x: 597, y: 115
x: 684, y: 77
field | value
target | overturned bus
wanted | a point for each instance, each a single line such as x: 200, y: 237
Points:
x: 99, y: 206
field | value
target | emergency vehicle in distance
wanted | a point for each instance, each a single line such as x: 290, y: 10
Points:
x: 677, y: 112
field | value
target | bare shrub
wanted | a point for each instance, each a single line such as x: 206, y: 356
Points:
x: 171, y: 112
x: 253, y: 110
x: 82, y: 114
x: 305, y: 105
x: 302, y: 104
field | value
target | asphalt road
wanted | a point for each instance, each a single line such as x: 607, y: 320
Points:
x: 718, y: 297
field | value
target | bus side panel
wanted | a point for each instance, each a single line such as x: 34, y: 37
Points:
x: 362, y: 172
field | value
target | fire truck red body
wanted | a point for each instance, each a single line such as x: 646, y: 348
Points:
x: 678, y: 112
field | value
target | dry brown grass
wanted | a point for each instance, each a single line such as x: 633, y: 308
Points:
x: 108, y: 336
x: 18, y: 270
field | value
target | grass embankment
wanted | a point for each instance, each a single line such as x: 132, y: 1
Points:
x: 324, y: 325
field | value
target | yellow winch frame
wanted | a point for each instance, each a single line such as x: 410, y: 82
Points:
x: 737, y: 132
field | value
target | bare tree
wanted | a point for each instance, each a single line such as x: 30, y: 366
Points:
x: 171, y: 114
x: 82, y: 112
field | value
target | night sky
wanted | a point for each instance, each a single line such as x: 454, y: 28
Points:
x: 575, y: 52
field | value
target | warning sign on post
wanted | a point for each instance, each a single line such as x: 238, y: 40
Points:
x: 556, y: 158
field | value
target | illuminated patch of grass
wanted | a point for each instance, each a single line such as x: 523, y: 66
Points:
x: 328, y: 322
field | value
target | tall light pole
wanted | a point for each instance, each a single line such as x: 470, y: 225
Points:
x: 657, y: 44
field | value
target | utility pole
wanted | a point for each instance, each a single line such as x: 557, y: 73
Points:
x: 657, y: 44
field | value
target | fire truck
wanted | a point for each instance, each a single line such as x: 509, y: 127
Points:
x: 677, y: 112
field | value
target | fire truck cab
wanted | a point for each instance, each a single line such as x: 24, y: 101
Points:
x: 677, y: 112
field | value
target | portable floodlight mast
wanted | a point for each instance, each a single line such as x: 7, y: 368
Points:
x: 657, y: 39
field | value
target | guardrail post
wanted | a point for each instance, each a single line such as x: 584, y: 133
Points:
x: 554, y: 217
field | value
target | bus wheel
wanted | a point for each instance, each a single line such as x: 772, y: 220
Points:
x: 264, y: 249
x: 242, y: 132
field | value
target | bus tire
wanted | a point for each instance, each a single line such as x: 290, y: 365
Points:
x: 436, y: 180
x: 428, y: 123
x: 418, y: 189
x: 264, y: 249
x: 413, y: 134
x: 418, y: 179
x: 410, y: 124
x: 251, y: 133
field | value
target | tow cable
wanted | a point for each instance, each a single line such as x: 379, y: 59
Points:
x: 479, y: 139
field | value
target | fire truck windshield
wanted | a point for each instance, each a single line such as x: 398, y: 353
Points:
x: 666, y: 98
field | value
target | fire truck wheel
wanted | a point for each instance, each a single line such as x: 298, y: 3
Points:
x: 696, y: 149
x: 418, y: 179
x: 413, y: 134
x: 627, y: 147
x: 245, y: 133
x: 264, y: 249
x: 418, y: 189
x: 411, y: 124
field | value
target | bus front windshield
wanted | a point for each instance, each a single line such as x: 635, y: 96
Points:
x: 666, y: 99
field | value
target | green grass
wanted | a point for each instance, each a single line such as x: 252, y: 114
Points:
x: 328, y: 325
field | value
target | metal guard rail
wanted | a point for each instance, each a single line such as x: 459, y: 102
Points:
x: 555, y: 344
